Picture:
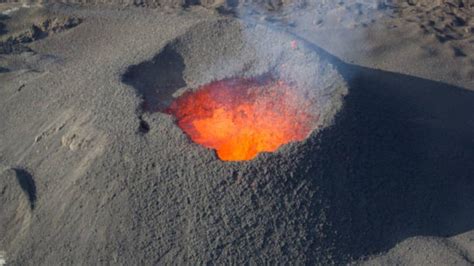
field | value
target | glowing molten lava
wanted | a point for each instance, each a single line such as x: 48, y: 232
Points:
x: 240, y: 118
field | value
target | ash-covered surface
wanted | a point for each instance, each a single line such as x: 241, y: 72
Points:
x: 91, y: 177
x: 32, y: 24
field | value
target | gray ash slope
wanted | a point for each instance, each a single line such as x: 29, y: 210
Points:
x: 108, y: 192
x: 395, y: 163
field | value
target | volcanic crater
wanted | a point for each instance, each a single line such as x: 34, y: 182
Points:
x: 239, y: 88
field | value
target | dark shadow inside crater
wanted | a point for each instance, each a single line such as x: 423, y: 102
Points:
x: 156, y: 80
x: 397, y: 163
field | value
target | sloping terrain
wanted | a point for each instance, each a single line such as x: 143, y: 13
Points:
x: 89, y: 176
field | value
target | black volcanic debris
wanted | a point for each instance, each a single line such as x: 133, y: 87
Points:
x: 3, y: 28
x: 143, y: 126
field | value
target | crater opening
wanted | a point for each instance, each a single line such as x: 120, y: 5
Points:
x: 238, y: 88
x: 242, y: 117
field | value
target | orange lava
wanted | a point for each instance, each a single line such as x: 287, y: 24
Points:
x: 240, y: 118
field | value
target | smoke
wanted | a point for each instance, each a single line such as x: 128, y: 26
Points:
x: 261, y: 41
x: 2, y: 258
x: 272, y: 29
x: 302, y: 13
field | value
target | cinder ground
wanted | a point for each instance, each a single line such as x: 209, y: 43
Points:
x: 87, y: 176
